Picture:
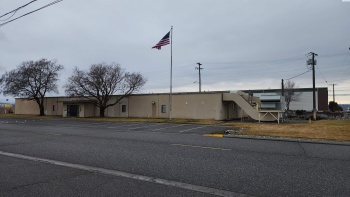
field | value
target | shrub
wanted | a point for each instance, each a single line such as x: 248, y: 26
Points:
x: 300, y: 112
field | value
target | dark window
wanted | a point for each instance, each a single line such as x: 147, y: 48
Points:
x: 163, y: 108
x: 53, y: 107
x: 123, y: 108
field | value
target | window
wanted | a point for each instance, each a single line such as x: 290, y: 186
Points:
x: 53, y: 107
x: 163, y: 108
x: 123, y: 108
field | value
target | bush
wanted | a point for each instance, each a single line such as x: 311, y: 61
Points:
x: 300, y: 112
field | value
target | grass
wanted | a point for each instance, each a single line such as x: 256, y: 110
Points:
x: 337, y: 130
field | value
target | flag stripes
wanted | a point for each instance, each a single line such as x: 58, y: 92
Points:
x: 164, y: 41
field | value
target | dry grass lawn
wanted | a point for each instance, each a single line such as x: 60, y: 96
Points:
x: 338, y: 130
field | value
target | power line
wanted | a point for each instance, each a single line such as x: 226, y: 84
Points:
x: 276, y: 61
x: 298, y: 75
x: 333, y: 55
x: 10, y: 16
x: 52, y: 3
x: 321, y: 74
x: 15, y: 10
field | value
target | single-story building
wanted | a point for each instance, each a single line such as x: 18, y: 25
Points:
x: 219, y: 105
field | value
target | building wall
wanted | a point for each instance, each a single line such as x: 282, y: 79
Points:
x: 305, y: 102
x: 201, y: 106
x: 322, y: 99
x: 89, y: 110
x: 185, y: 105
x: 116, y: 110
x: 142, y: 106
x: 52, y: 106
x: 188, y: 106
x: 26, y: 107
x: 306, y: 99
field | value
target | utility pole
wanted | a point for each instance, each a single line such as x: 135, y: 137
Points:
x: 200, y: 80
x: 282, y: 88
x: 313, y: 63
x: 333, y: 92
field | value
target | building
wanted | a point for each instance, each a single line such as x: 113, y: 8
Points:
x: 261, y: 105
x: 305, y: 102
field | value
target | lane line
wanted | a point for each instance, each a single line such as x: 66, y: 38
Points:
x: 181, y: 185
x: 204, y: 147
x: 146, y: 126
x: 168, y: 127
x: 191, y: 129
x: 122, y: 125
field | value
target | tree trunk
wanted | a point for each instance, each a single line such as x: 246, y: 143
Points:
x: 287, y: 105
x: 41, y: 107
x: 102, y: 112
x: 42, y: 110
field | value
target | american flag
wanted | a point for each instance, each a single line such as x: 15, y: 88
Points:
x: 164, y: 41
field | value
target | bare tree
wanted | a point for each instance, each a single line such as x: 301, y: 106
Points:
x: 32, y: 80
x: 290, y: 94
x: 101, y: 82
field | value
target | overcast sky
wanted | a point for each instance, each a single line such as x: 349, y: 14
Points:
x: 242, y: 44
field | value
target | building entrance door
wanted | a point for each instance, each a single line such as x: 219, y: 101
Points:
x: 154, y: 111
x: 72, y: 110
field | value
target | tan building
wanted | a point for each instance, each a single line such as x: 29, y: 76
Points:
x: 206, y: 105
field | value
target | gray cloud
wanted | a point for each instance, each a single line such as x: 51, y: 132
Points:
x: 235, y: 40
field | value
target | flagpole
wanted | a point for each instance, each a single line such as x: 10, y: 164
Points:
x: 171, y: 73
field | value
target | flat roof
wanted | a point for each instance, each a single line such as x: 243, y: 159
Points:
x: 320, y: 89
x: 142, y: 94
x: 78, y: 101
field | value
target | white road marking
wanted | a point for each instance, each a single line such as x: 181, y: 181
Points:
x: 146, y: 126
x: 168, y: 127
x: 128, y: 175
x: 123, y: 125
x: 204, y: 147
x: 191, y: 129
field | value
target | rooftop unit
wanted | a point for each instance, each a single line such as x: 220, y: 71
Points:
x: 272, y: 102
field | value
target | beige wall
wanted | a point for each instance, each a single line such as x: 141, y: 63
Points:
x: 200, y: 106
x: 52, y: 106
x: 142, y: 106
x: 188, y: 106
x: 26, y: 107
x: 185, y: 105
x: 89, y: 110
x: 116, y: 110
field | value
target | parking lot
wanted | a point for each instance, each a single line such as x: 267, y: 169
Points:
x: 161, y: 128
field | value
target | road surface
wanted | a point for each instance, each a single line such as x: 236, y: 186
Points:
x: 65, y: 157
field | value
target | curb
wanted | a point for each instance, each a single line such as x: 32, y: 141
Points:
x: 312, y: 141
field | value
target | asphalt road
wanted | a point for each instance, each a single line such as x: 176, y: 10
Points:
x: 64, y: 157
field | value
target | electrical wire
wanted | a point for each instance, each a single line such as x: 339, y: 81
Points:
x: 298, y: 75
x: 322, y: 74
x: 10, y: 16
x: 15, y: 10
x: 52, y: 3
x: 276, y: 61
